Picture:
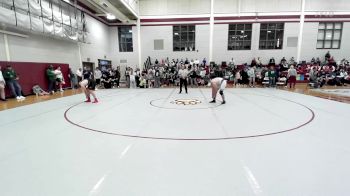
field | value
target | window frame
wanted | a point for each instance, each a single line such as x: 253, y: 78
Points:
x: 181, y: 37
x: 273, y: 27
x: 332, y: 40
x: 232, y: 43
x: 123, y: 33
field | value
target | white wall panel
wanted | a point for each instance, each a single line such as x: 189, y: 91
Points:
x: 98, y: 37
x: 226, y: 7
x: 326, y: 5
x: 309, y: 50
x: 270, y: 5
x: 171, y: 7
x: 220, y: 52
x: 150, y: 33
x: 2, y: 48
x: 37, y: 48
x: 116, y: 56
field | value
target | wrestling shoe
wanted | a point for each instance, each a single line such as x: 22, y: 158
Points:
x: 223, y: 102
x: 95, y: 101
x: 213, y: 101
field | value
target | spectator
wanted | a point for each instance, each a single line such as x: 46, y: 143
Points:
x: 132, y: 79
x: 73, y: 79
x: 117, y: 76
x: 2, y: 87
x: 272, y: 62
x: 127, y: 77
x: 291, y: 61
x: 106, y: 79
x: 193, y: 77
x: 327, y: 56
x: 98, y: 75
x: 51, y: 78
x: 11, y: 79
x: 137, y: 76
x: 59, y: 78
x: 143, y: 82
x: 157, y: 78
x: 150, y: 78
x: 292, y: 76
x: 258, y: 62
x: 238, y: 78
x: 251, y: 74
x: 272, y: 76
x: 253, y: 63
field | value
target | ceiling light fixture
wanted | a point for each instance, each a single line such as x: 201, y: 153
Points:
x: 110, y: 17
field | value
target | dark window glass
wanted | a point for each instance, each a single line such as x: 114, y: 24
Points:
x: 184, y: 37
x: 271, y: 35
x: 125, y: 39
x: 239, y: 37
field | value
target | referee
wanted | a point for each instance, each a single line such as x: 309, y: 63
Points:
x: 183, y: 74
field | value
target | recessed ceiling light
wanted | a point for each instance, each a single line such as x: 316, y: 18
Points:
x: 110, y: 17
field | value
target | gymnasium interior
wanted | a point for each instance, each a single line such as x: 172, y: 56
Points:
x: 119, y: 97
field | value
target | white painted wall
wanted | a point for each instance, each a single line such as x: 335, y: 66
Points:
x: 2, y: 48
x: 98, y: 41
x: 309, y: 50
x: 37, y: 48
x: 251, y: 6
x: 242, y: 56
x: 326, y: 5
x: 116, y: 56
x: 174, y: 7
x: 270, y: 5
x: 150, y: 33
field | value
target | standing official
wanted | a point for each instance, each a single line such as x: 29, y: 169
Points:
x: 183, y: 74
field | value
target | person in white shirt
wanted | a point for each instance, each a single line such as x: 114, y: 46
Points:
x: 2, y: 87
x: 183, y: 74
x: 132, y: 79
x: 217, y: 84
x: 98, y: 75
x: 59, y: 78
x: 292, y: 75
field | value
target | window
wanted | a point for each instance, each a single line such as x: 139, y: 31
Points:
x: 125, y: 39
x: 239, y: 36
x: 329, y: 35
x: 184, y: 38
x: 271, y: 36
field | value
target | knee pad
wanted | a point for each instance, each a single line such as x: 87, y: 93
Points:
x: 221, y: 92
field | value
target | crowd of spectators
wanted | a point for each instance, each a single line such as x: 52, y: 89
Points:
x: 157, y: 74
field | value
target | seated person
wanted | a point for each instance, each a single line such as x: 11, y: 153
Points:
x: 292, y: 61
x: 283, y: 61
x: 253, y: 63
x: 272, y: 62
x: 106, y: 80
x: 272, y: 76
x: 39, y: 91
x: 143, y: 82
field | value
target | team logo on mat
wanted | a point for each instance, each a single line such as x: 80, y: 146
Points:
x: 186, y: 102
